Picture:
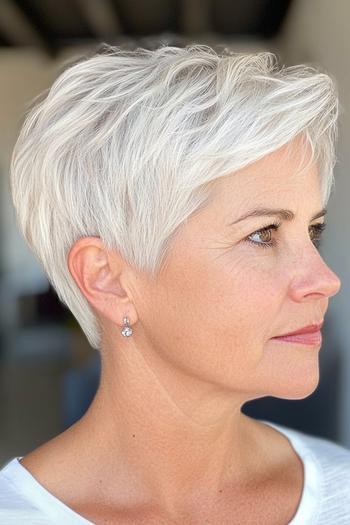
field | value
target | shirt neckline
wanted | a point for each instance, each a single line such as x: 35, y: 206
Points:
x: 31, y: 489
x: 309, y: 507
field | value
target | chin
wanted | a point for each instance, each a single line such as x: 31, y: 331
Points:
x: 299, y: 389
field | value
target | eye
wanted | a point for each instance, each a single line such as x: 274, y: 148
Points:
x: 264, y: 232
x: 317, y: 230
x: 268, y: 242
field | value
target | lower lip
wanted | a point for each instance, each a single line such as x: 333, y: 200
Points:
x: 312, y: 339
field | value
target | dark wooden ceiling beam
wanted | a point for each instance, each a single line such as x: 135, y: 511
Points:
x: 101, y: 16
x: 274, y: 16
x: 33, y: 18
x: 194, y: 16
x: 15, y: 27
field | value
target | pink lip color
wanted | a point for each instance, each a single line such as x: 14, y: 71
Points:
x: 312, y: 339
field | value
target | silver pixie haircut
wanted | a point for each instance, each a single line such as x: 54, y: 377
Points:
x: 125, y: 145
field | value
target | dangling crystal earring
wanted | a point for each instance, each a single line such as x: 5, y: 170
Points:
x: 126, y: 330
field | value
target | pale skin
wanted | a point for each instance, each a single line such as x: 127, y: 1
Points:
x: 164, y: 440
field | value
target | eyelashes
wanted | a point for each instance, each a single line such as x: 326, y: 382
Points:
x: 316, y: 229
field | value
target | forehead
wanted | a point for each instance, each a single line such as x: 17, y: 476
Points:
x: 283, y: 170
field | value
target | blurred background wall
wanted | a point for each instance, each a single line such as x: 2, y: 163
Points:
x: 48, y: 372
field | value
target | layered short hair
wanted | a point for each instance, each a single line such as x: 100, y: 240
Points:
x: 126, y: 143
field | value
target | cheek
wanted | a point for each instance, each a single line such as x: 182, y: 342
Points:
x: 249, y: 295
x: 215, y: 316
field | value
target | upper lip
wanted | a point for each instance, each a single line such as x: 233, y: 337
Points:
x: 315, y: 327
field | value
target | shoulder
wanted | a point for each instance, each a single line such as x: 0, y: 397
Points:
x: 15, y: 508
x: 326, y: 475
x: 325, y: 459
x: 333, y: 462
x: 334, y: 457
x: 327, y: 466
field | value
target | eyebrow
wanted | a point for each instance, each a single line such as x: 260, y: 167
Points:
x: 286, y: 215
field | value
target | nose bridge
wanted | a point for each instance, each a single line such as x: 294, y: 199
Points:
x: 312, y: 275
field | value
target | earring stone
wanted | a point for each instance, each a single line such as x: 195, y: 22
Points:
x: 126, y: 330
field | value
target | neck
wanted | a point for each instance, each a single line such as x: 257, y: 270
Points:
x: 172, y: 436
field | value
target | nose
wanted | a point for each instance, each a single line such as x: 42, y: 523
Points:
x: 313, y: 277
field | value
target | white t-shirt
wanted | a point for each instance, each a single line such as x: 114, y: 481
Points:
x: 325, y: 498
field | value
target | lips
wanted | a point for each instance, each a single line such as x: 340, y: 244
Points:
x: 308, y: 335
x: 309, y: 329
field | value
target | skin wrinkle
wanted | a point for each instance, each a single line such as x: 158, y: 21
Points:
x: 165, y: 431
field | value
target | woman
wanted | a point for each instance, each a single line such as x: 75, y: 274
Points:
x: 176, y: 199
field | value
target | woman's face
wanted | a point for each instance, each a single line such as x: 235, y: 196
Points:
x: 227, y: 289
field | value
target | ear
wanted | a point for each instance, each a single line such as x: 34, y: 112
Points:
x: 99, y: 277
